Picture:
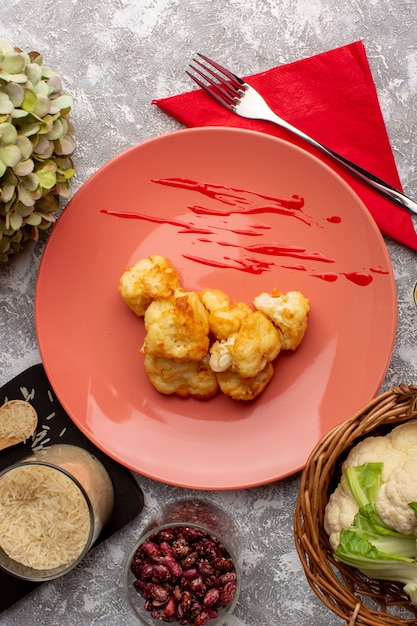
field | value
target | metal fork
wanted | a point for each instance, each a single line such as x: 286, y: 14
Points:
x: 236, y: 95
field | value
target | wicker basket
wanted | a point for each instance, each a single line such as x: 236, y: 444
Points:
x: 353, y: 597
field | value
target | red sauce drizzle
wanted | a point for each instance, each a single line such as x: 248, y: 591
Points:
x: 238, y: 231
x: 219, y: 192
x: 246, y: 202
x: 329, y: 277
x: 261, y: 226
x: 359, y: 278
x: 253, y: 210
x: 276, y: 249
x: 186, y: 228
x: 378, y: 270
x: 249, y: 265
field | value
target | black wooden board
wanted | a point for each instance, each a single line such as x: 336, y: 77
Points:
x: 33, y: 385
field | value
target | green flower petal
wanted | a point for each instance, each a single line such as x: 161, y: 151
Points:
x: 42, y: 107
x: 6, y: 105
x: 15, y: 92
x: 24, y: 168
x: 13, y: 63
x: 34, y: 73
x: 29, y: 101
x: 8, y: 134
x: 10, y: 155
x: 34, y: 219
x: 16, y: 221
x: 60, y: 103
x: 25, y: 146
x: 47, y: 176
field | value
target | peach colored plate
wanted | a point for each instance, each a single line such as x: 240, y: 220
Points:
x: 239, y: 211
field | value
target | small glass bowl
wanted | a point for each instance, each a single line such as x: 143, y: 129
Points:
x: 194, y: 514
x: 24, y: 572
x: 85, y: 476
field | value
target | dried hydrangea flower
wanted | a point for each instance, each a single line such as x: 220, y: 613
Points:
x: 36, y: 146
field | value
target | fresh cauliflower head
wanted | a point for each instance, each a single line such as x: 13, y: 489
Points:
x: 248, y: 351
x: 149, y: 278
x: 177, y: 327
x: 397, y: 451
x: 289, y: 312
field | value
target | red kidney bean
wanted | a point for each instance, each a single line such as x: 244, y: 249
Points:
x: 173, y: 566
x: 228, y: 593
x: 152, y: 550
x: 201, y: 619
x: 185, y: 575
x: 211, y: 612
x: 189, y: 574
x: 212, y: 597
x: 190, y: 560
x: 170, y: 607
x: 160, y: 572
x: 196, y: 583
x: 181, y: 548
x: 205, y: 568
x: 158, y: 593
x: 186, y: 599
x: 147, y: 571
x: 223, y: 564
x: 166, y: 548
x: 228, y: 577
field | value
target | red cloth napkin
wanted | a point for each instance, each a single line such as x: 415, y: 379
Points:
x: 331, y: 97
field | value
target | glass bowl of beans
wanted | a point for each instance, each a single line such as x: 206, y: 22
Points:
x: 184, y: 567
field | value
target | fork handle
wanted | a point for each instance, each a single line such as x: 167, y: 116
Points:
x: 373, y: 181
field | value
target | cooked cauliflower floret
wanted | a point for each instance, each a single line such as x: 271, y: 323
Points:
x: 150, y: 278
x: 221, y: 354
x: 249, y: 350
x: 257, y: 343
x: 239, y: 388
x: 184, y: 378
x: 180, y: 326
x: 177, y: 327
x: 289, y: 312
x: 225, y: 317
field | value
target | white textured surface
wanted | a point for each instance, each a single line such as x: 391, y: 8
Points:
x: 114, y: 58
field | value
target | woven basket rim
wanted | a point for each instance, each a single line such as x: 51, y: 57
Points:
x: 342, y: 589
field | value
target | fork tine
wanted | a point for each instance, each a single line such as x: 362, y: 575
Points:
x: 215, y: 89
x: 219, y: 80
x: 235, y: 81
x: 220, y: 99
x: 226, y: 89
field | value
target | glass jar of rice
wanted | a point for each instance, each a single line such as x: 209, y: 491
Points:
x: 53, y: 506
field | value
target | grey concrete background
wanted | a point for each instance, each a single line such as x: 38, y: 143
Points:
x: 115, y: 57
